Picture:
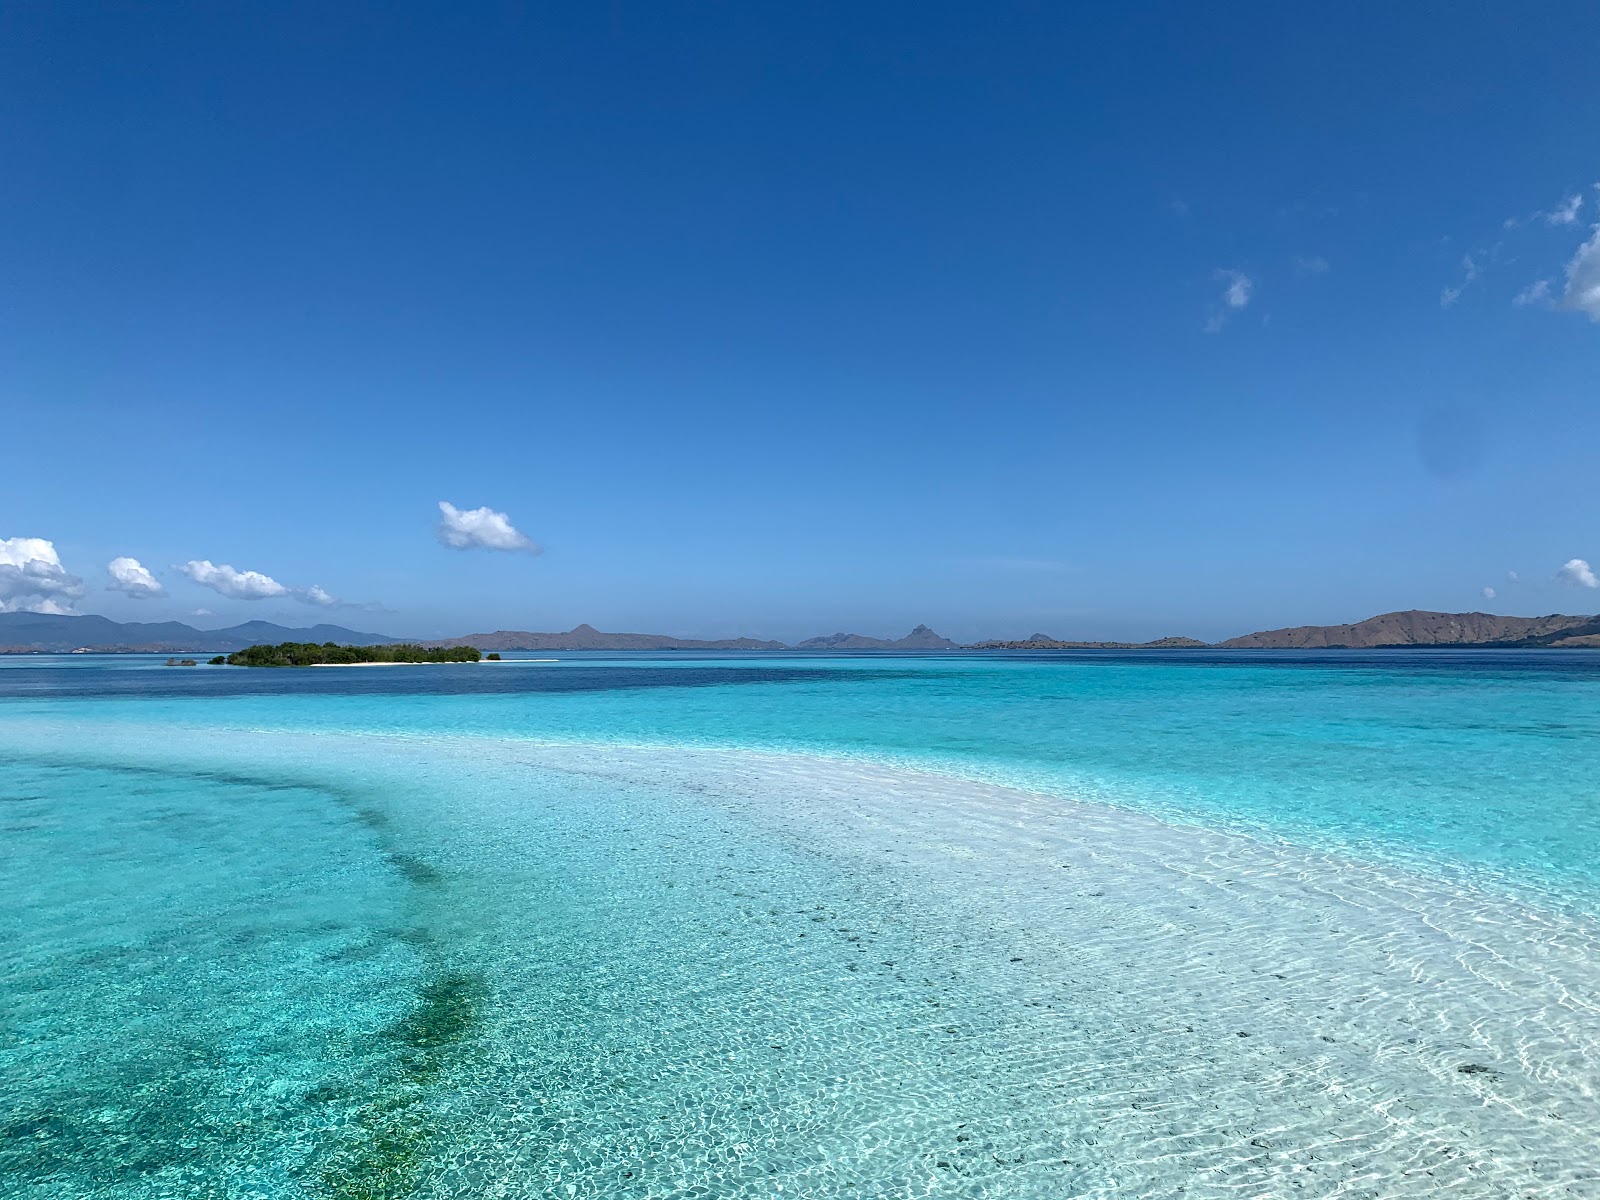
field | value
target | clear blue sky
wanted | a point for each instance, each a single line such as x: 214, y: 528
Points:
x: 1104, y: 321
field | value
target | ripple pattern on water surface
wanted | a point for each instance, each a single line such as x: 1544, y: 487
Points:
x: 637, y: 972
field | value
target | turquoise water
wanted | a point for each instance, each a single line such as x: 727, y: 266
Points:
x: 1088, y: 925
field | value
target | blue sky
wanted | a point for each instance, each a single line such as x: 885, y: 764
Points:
x: 784, y: 319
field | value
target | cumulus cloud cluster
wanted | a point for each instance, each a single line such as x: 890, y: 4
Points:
x: 480, y: 528
x: 1575, y: 289
x: 251, y: 585
x: 236, y: 585
x: 32, y: 578
x: 133, y: 578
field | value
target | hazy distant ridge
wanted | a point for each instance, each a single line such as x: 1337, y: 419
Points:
x: 23, y: 631
x: 1416, y: 627
x: 587, y: 637
x: 920, y: 638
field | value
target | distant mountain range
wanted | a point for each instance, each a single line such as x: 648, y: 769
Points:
x: 587, y: 637
x: 22, y: 632
x: 1043, y: 641
x: 36, y: 632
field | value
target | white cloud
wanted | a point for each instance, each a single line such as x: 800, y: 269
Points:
x: 1582, y: 292
x: 236, y: 585
x: 253, y: 585
x: 1488, y: 593
x: 1237, y: 293
x: 1234, y: 298
x: 1313, y: 264
x: 1535, y: 293
x: 1512, y: 577
x: 1566, y: 212
x: 1450, y: 295
x: 480, y: 527
x: 32, y: 578
x: 1578, y: 573
x: 131, y: 576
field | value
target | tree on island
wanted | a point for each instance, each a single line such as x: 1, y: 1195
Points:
x: 309, y: 654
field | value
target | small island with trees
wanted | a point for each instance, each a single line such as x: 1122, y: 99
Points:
x: 331, y: 654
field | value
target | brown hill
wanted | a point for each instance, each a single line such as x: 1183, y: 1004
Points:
x: 1418, y: 628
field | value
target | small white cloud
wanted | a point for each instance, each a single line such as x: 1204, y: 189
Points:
x: 1488, y: 593
x: 203, y: 612
x: 1582, y: 292
x: 315, y: 595
x: 1313, y: 264
x: 1578, y: 573
x: 1535, y: 293
x: 1235, y: 297
x: 1237, y: 293
x: 236, y: 585
x: 32, y: 578
x: 1566, y: 212
x: 482, y: 528
x: 129, y: 575
x: 1469, y: 267
x: 1512, y: 577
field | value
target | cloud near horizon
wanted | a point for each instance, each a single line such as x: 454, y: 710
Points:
x: 252, y: 585
x: 133, y: 578
x: 236, y: 585
x: 481, y: 528
x: 1578, y: 573
x: 32, y: 578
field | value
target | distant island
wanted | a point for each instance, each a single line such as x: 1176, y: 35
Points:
x: 920, y: 638
x: 331, y: 654
x: 1416, y: 627
x: 48, y: 633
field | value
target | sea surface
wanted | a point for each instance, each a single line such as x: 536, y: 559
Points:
x: 1196, y: 924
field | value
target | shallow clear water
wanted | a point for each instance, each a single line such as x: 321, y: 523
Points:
x: 1087, y: 925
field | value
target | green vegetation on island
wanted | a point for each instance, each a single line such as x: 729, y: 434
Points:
x: 310, y: 654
